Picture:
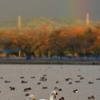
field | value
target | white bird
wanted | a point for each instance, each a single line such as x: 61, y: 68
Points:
x: 31, y: 97
x: 52, y: 96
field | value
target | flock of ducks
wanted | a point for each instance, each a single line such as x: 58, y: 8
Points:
x: 53, y: 93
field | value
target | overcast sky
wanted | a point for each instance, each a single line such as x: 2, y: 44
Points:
x: 50, y: 8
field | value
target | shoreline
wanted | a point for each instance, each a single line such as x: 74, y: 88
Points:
x: 50, y: 62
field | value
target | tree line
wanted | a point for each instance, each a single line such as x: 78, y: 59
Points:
x: 75, y: 41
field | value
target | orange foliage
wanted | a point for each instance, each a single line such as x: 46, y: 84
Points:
x: 42, y: 39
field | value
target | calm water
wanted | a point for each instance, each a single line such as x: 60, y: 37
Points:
x: 54, y: 73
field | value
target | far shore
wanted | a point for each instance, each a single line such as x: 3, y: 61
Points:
x: 50, y: 62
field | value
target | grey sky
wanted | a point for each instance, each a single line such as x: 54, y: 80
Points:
x: 49, y: 8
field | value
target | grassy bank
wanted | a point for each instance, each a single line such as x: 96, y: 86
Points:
x: 49, y: 62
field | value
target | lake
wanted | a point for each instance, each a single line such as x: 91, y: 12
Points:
x: 66, y: 78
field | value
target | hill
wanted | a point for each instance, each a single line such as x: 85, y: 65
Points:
x: 53, y: 23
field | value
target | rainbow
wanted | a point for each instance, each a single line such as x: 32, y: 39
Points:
x: 76, y: 8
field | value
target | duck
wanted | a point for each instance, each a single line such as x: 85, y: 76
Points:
x: 32, y: 76
x: 91, y: 97
x: 24, y: 81
x: 57, y: 81
x: 81, y: 78
x: 22, y: 77
x: 68, y: 79
x: 60, y: 89
x: 55, y: 88
x: 26, y: 89
x: 12, y: 88
x: 90, y: 82
x: 38, y: 83
x: 75, y: 91
x: 44, y: 87
x: 70, y: 83
x: 77, y: 81
x: 62, y: 98
x: 7, y: 81
x: 98, y: 79
x: 52, y: 96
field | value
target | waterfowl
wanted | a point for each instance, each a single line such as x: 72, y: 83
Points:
x: 23, y: 81
x: 39, y: 83
x: 77, y: 81
x: 98, y: 79
x: 70, y: 83
x: 7, y: 81
x: 26, y: 89
x: 68, y: 79
x: 90, y: 82
x: 56, y: 88
x: 57, y: 81
x: 43, y: 79
x: 44, y: 87
x: 52, y: 95
x: 12, y: 88
x: 81, y: 78
x: 62, y: 98
x: 32, y: 76
x: 60, y: 89
x: 1, y: 77
x: 75, y: 91
x: 27, y: 94
x: 31, y: 97
x: 22, y: 77
x: 78, y: 75
x: 44, y: 75
x: 91, y: 97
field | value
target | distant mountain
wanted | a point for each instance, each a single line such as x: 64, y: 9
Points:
x: 54, y: 23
